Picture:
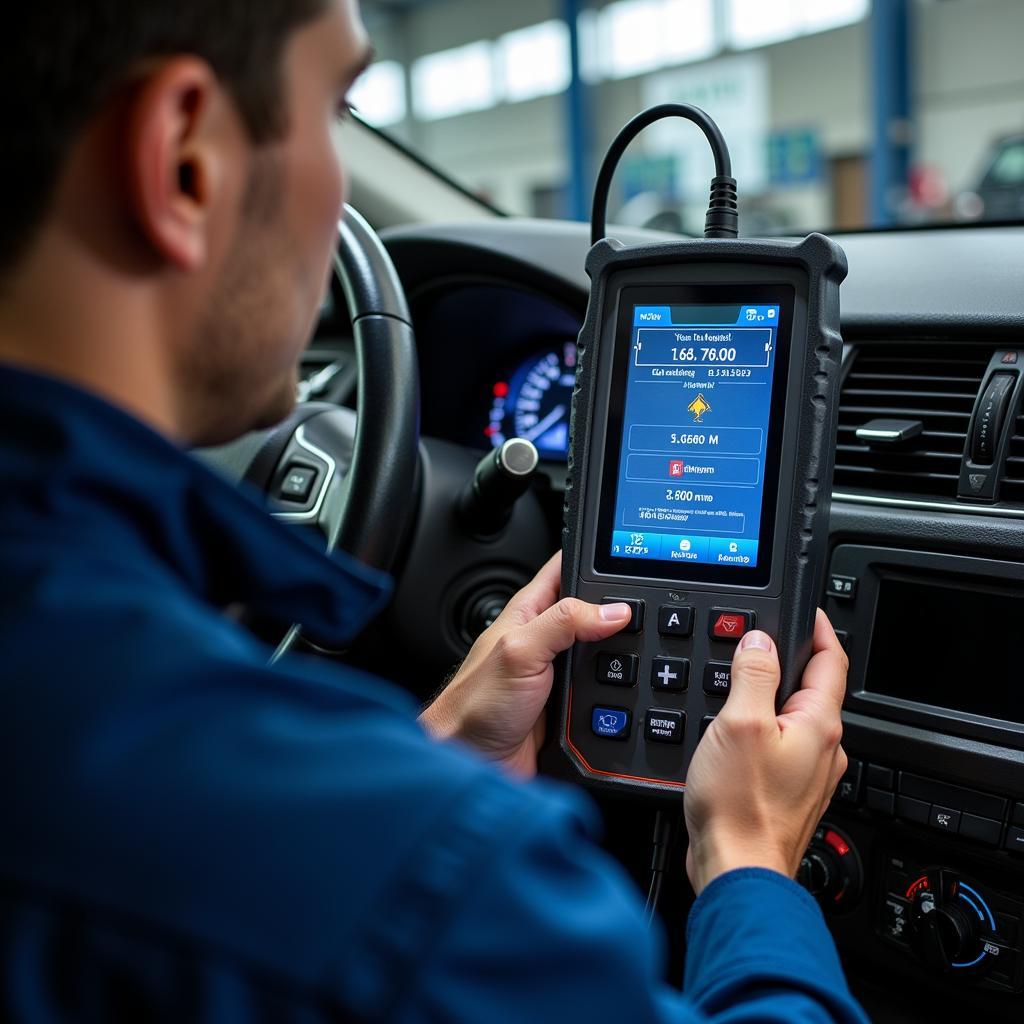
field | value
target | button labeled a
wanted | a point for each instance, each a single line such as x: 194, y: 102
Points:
x: 675, y: 620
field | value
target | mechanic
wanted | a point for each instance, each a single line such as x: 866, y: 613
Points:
x: 190, y: 833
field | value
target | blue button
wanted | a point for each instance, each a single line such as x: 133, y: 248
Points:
x: 724, y: 551
x: 610, y: 722
x: 677, y: 548
x: 635, y: 544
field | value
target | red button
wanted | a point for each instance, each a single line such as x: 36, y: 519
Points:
x: 730, y: 625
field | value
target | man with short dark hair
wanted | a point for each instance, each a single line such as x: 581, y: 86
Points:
x: 190, y: 833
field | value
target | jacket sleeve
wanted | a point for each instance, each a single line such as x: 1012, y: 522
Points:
x: 758, y: 950
x: 552, y: 930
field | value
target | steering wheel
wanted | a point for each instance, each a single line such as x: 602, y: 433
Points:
x: 352, y: 476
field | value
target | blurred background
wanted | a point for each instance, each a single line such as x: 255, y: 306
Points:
x: 838, y: 113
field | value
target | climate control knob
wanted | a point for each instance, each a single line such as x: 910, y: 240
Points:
x: 830, y: 870
x: 952, y: 927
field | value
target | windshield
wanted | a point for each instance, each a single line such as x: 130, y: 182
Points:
x: 838, y: 113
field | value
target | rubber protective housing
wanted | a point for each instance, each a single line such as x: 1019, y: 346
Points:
x: 805, y: 472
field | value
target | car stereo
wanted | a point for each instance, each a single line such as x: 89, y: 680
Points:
x: 699, y: 479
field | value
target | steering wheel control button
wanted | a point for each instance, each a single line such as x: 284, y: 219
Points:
x: 297, y: 484
x: 617, y: 669
x: 848, y: 790
x: 1014, y: 840
x: 675, y: 620
x: 913, y: 810
x: 636, y: 620
x: 611, y: 723
x: 717, y: 678
x: 661, y: 726
x: 944, y: 819
x: 729, y: 624
x: 981, y: 830
x: 670, y: 675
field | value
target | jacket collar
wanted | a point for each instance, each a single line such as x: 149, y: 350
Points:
x: 69, y: 461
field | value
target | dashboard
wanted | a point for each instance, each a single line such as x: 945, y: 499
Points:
x: 496, y: 362
x: 919, y: 862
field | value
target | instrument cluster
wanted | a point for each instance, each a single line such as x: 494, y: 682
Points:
x: 534, y: 401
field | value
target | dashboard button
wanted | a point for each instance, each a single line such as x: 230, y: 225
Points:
x: 986, y: 805
x: 670, y: 675
x: 1014, y: 839
x: 842, y: 586
x: 636, y: 620
x: 729, y: 624
x: 704, y: 723
x: 662, y: 726
x: 879, y: 800
x: 675, y: 620
x: 913, y: 810
x: 944, y: 819
x: 983, y: 830
x: 611, y: 723
x: 882, y: 778
x: 617, y: 669
x: 717, y: 678
x: 848, y: 790
x: 1018, y: 814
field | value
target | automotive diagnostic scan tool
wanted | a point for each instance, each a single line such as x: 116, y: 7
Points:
x: 700, y: 471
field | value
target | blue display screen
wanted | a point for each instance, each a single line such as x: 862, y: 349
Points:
x: 695, y: 431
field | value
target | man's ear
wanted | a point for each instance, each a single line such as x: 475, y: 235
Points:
x: 182, y: 149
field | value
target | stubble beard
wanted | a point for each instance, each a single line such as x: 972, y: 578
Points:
x: 241, y: 372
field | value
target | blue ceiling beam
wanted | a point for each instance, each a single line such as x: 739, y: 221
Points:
x: 891, y: 115
x: 578, y: 123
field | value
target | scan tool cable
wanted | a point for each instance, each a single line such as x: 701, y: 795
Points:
x: 663, y: 835
x: 721, y: 220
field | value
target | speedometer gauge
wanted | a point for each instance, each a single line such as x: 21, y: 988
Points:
x: 534, y: 402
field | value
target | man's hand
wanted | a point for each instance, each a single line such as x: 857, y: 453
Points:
x: 759, y: 782
x: 496, y: 700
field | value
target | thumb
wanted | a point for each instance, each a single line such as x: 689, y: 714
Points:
x: 755, y: 676
x: 569, y: 620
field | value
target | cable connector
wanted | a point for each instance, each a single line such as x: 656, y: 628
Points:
x: 722, y: 220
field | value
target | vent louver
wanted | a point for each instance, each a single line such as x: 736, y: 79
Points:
x: 1013, y: 474
x: 934, y: 382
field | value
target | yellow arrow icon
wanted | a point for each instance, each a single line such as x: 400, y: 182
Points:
x: 699, y: 406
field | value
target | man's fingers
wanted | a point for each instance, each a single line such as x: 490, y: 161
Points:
x: 556, y: 629
x: 826, y: 671
x: 755, y: 677
x: 539, y: 594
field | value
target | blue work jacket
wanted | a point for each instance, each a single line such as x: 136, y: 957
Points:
x: 188, y: 833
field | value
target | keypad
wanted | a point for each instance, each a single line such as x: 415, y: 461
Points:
x: 632, y: 656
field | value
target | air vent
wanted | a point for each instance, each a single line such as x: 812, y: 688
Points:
x: 934, y: 382
x: 1013, y: 475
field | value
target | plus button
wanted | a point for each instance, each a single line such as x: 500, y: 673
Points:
x: 670, y: 675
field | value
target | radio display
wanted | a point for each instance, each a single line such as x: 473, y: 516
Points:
x: 695, y: 415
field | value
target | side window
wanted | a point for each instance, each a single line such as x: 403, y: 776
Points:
x: 1007, y: 169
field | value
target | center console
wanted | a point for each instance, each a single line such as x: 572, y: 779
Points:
x: 919, y: 863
